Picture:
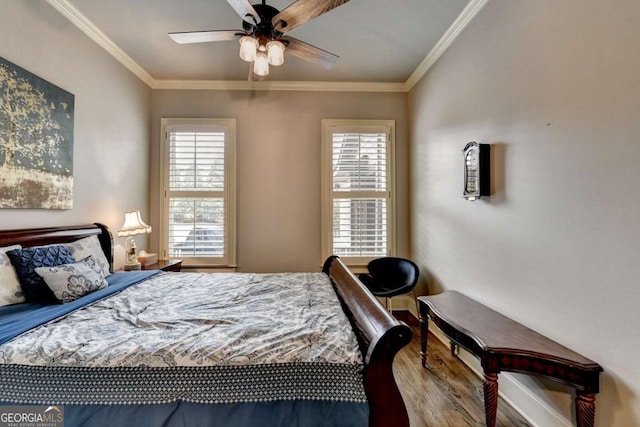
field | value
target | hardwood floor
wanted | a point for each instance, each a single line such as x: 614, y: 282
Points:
x: 446, y: 393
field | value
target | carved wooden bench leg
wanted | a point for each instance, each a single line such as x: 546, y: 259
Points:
x: 490, y: 398
x: 585, y: 409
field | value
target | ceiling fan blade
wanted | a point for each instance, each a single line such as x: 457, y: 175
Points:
x: 245, y: 10
x: 309, y: 53
x: 204, y: 36
x: 302, y: 11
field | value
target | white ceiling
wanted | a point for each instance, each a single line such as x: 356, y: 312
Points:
x: 377, y: 40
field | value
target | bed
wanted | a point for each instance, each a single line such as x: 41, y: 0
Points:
x: 225, y: 349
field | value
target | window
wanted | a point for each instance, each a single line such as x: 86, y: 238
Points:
x: 198, y: 191
x: 358, y: 206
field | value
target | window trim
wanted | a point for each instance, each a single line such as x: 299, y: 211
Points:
x: 229, y: 190
x: 329, y: 126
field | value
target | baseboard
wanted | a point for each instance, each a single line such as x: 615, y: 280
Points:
x: 403, y: 302
x: 537, y: 412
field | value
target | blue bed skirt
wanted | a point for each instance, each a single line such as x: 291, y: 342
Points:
x: 185, y: 414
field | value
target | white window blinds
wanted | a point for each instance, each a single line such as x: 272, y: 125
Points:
x: 197, y: 198
x: 360, y: 191
x: 196, y: 161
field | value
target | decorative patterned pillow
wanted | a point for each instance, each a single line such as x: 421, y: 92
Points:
x: 68, y: 282
x: 89, y: 246
x: 27, y: 260
x: 10, y: 290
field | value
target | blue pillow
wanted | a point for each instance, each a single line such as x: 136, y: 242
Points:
x: 26, y: 260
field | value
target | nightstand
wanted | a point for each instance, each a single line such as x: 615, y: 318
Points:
x: 165, y: 265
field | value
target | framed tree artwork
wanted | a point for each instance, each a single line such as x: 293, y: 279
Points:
x: 36, y: 141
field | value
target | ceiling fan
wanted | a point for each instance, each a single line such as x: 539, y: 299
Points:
x: 262, y: 39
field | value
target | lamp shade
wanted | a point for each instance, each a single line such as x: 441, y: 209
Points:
x: 261, y: 66
x: 133, y: 224
x: 275, y: 52
x: 248, y: 48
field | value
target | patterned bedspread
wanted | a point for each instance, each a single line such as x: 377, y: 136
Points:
x: 206, y: 338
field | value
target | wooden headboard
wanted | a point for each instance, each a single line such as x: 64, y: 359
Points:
x: 46, y: 236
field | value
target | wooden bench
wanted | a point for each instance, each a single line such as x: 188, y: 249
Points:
x: 505, y: 345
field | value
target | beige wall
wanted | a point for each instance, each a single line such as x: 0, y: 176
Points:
x: 554, y: 86
x: 278, y: 165
x: 112, y: 111
x: 278, y: 143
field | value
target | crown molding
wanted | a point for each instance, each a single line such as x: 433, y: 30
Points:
x: 312, y: 86
x: 85, y: 25
x: 467, y: 14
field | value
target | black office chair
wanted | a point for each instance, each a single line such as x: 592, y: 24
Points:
x: 391, y: 276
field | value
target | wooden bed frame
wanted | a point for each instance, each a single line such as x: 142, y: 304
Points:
x: 379, y: 334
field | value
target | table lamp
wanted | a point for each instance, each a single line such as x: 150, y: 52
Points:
x: 133, y: 225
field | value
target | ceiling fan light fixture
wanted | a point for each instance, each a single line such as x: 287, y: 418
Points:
x: 248, y: 48
x: 275, y: 52
x: 261, y: 65
x: 263, y: 38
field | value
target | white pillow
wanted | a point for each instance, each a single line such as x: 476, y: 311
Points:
x: 89, y: 246
x: 10, y: 290
x: 68, y: 282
